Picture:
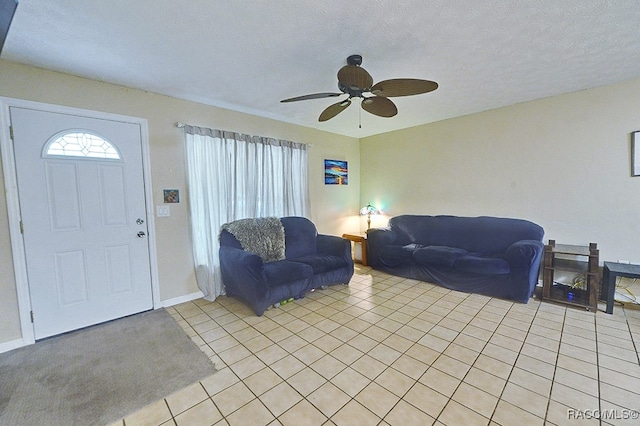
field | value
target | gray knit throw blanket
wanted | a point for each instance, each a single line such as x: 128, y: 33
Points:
x: 263, y: 236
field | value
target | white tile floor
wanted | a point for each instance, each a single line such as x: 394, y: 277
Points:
x: 391, y: 351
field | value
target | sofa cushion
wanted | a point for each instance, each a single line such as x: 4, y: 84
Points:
x: 300, y: 237
x: 322, y: 262
x: 482, y: 265
x: 393, y: 255
x: 438, y: 255
x: 285, y: 271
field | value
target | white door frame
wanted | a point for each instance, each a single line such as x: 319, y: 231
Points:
x: 13, y: 201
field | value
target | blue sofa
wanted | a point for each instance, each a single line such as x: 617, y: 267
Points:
x: 493, y: 256
x: 280, y: 270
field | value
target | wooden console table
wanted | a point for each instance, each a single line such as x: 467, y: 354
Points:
x: 362, y: 239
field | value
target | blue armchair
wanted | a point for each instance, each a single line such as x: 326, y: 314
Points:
x: 307, y: 261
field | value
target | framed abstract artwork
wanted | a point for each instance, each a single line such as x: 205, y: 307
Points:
x: 336, y: 172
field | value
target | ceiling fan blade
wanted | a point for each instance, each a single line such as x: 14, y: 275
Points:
x: 380, y: 106
x: 312, y: 96
x: 355, y: 77
x: 333, y: 110
x: 403, y: 87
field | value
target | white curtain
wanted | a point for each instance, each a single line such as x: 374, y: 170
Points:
x: 235, y: 176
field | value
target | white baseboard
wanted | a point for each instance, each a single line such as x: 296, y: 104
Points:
x: 11, y: 345
x: 182, y: 299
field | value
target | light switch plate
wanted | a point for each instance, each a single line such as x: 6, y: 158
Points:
x: 163, y: 211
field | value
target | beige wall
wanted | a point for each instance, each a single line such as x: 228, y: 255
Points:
x: 333, y: 208
x: 562, y: 162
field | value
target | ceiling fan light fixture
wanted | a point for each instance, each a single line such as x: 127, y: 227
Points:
x: 354, y: 81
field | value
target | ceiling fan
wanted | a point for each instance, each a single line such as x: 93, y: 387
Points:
x: 354, y: 81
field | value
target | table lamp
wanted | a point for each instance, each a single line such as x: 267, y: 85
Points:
x: 368, y: 210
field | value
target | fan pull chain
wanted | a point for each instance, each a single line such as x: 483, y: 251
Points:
x: 360, y: 116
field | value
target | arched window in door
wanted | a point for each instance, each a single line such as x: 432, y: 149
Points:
x: 80, y: 143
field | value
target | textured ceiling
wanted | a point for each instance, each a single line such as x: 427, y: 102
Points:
x: 248, y: 55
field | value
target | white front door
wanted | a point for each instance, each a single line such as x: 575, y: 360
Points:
x: 82, y: 202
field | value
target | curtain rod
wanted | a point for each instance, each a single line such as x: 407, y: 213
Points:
x: 180, y: 125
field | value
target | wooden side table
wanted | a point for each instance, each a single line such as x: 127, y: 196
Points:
x: 362, y: 239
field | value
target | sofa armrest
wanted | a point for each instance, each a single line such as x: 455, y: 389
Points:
x: 333, y: 245
x: 242, y: 273
x: 377, y: 239
x: 524, y: 261
x: 523, y: 254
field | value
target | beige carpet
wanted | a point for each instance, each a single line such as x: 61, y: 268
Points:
x: 99, y: 374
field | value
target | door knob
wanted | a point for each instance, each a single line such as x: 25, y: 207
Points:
x: 139, y: 221
x: 141, y: 234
